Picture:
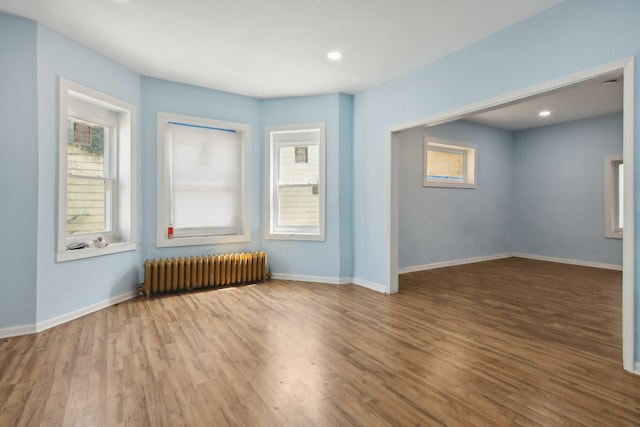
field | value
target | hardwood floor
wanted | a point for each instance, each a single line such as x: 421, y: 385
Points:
x: 507, y: 342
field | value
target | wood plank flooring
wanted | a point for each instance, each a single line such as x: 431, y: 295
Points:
x: 500, y: 343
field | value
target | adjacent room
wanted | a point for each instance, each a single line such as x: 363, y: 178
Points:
x: 363, y: 213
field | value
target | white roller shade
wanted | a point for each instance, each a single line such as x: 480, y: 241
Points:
x: 205, y: 180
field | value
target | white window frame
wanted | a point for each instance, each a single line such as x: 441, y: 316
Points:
x: 612, y: 212
x: 272, y: 232
x: 470, y: 163
x: 120, y: 117
x: 164, y: 182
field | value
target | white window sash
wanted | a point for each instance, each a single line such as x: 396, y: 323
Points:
x: 279, y: 181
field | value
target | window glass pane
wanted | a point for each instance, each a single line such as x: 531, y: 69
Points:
x: 205, y: 179
x: 86, y: 197
x: 298, y: 199
x: 445, y: 165
x: 299, y: 205
x: 620, y: 195
x: 86, y: 149
x: 85, y: 205
x: 298, y: 165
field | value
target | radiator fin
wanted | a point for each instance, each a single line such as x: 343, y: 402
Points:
x: 178, y: 274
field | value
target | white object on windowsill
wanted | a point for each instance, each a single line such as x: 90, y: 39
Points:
x: 99, y: 243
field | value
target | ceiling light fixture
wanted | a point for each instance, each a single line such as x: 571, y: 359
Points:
x: 545, y: 113
x: 334, y: 56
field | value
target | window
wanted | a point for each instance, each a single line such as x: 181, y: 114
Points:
x: 295, y: 182
x: 449, y: 164
x: 96, y: 172
x: 614, y: 200
x: 203, y: 181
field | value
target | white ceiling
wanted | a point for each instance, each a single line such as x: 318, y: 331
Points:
x: 276, y: 48
x: 595, y: 97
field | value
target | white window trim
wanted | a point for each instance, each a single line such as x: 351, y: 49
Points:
x: 164, y: 198
x: 471, y: 156
x: 611, y: 202
x: 123, y: 236
x: 268, y: 205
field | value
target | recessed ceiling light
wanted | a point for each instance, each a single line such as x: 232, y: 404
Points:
x: 334, y: 56
x: 545, y: 113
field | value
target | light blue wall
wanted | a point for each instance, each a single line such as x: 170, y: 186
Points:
x: 558, y: 190
x: 444, y: 224
x: 169, y: 97
x: 18, y: 171
x: 540, y: 192
x: 346, y: 185
x: 69, y: 286
x: 320, y: 259
x: 552, y: 44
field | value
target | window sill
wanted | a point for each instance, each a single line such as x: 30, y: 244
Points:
x: 113, y: 248
x: 613, y: 234
x: 198, y: 241
x: 295, y: 236
x: 448, y: 184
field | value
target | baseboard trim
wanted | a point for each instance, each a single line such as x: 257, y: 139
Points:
x: 15, y: 331
x: 316, y: 279
x: 331, y: 281
x: 453, y: 263
x: 569, y: 261
x: 370, y: 285
x: 463, y: 261
x: 50, y: 323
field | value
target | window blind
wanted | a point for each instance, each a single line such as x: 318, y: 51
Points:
x: 205, y: 180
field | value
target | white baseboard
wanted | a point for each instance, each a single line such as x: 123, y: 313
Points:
x: 569, y: 261
x: 508, y: 255
x: 636, y: 368
x: 370, y: 285
x: 331, y: 281
x: 50, y: 323
x: 316, y: 279
x: 15, y: 331
x: 452, y: 263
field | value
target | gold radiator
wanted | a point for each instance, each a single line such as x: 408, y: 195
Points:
x: 177, y: 274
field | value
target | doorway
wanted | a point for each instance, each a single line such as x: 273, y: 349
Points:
x: 626, y: 68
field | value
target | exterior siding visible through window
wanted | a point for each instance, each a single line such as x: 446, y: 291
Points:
x: 89, y: 186
x: 298, y: 197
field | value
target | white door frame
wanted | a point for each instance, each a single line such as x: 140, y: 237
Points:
x: 626, y: 65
